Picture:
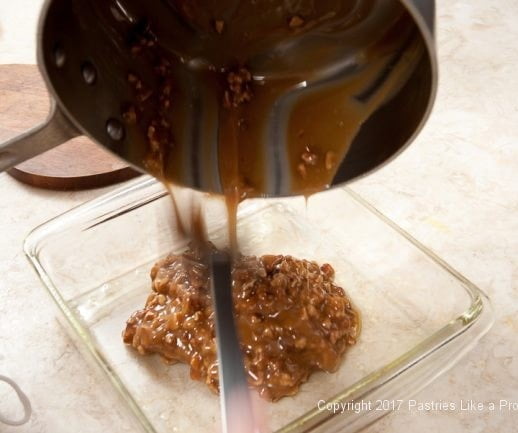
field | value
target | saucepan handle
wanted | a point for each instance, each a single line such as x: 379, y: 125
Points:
x: 56, y: 130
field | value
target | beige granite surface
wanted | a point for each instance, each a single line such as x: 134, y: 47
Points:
x: 455, y: 189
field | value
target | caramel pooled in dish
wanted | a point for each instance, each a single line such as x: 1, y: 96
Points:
x: 291, y: 318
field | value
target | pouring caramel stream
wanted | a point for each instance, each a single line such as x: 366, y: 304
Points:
x: 281, y: 89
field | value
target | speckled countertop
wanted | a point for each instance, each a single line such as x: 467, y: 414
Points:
x: 455, y: 189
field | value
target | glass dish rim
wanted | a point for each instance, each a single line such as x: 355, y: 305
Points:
x: 436, y: 351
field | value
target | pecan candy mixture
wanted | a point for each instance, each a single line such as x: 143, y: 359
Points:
x: 291, y: 318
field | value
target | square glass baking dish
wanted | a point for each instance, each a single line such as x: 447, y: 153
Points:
x: 418, y: 314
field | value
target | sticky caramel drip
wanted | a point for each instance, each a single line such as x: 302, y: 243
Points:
x: 233, y: 64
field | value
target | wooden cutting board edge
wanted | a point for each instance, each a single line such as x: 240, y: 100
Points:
x: 77, y: 164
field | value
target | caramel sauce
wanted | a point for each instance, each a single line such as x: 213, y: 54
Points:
x: 317, y: 71
x: 291, y: 317
x: 273, y: 94
x: 281, y: 90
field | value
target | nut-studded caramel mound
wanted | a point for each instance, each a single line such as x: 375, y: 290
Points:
x: 292, y: 320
